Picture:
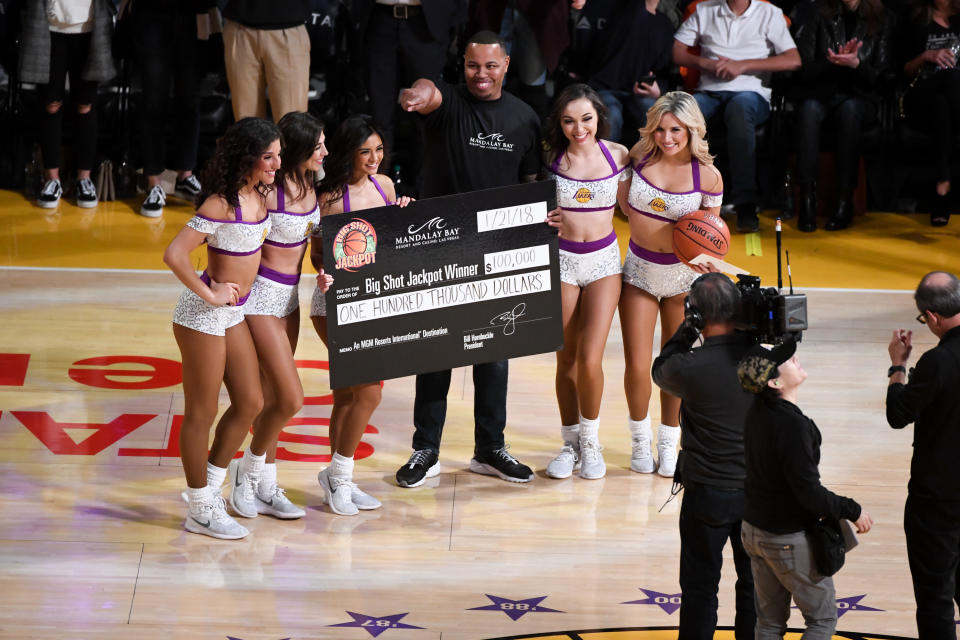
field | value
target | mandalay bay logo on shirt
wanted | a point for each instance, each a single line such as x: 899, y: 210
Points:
x: 492, y: 141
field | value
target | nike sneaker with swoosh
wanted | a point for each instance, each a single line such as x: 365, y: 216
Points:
x: 243, y: 489
x: 212, y: 520
x: 274, y: 502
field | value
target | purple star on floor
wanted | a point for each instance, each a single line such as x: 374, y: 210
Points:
x: 852, y: 603
x: 375, y: 626
x: 515, y: 609
x: 669, y: 602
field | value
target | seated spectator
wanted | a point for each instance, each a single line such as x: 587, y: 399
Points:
x: 932, y: 99
x: 846, y: 47
x: 166, y: 41
x: 629, y: 65
x: 266, y: 48
x: 741, y: 43
x: 62, y: 37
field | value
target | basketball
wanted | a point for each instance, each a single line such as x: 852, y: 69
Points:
x: 700, y: 232
x: 354, y: 243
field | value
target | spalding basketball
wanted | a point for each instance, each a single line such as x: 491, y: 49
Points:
x: 354, y: 243
x: 700, y: 232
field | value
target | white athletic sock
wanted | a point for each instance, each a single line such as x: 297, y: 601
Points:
x: 589, y: 428
x: 570, y: 434
x: 215, y: 476
x: 341, y: 466
x: 268, y: 479
x: 667, y: 435
x: 252, y: 464
x: 641, y: 427
x: 198, y: 497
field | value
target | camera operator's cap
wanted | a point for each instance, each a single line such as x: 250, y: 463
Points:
x: 760, y: 364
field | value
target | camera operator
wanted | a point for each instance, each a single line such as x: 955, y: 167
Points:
x: 711, y: 468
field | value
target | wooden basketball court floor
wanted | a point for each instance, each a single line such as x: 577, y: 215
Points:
x: 91, y: 538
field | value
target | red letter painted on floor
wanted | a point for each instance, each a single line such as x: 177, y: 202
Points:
x: 162, y: 373
x: 52, y: 434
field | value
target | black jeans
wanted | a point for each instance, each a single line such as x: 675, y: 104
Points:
x: 166, y: 42
x: 709, y: 516
x: 489, y: 406
x: 934, y: 105
x: 932, y: 528
x: 68, y: 55
x: 848, y: 113
x: 391, y: 42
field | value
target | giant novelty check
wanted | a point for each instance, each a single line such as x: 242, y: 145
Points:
x: 442, y: 283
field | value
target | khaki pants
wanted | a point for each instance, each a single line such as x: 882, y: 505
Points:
x: 277, y: 60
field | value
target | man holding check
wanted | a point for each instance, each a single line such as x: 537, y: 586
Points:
x: 476, y: 136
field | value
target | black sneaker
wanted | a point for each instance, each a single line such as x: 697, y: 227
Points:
x: 497, y: 462
x: 423, y: 464
x: 189, y: 186
x: 50, y: 195
x: 152, y: 207
x: 86, y: 194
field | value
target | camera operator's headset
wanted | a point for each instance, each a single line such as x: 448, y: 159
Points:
x: 692, y: 315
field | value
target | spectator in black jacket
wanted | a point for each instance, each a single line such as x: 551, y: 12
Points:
x: 712, y: 413
x: 785, y: 498
x: 846, y: 48
x: 931, y: 518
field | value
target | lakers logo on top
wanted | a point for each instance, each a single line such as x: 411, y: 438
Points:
x: 355, y: 245
x: 306, y: 234
x: 264, y: 236
x: 658, y: 205
x: 583, y: 195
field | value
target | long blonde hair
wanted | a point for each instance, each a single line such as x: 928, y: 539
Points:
x: 684, y: 108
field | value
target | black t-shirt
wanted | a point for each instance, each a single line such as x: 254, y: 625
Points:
x: 636, y: 44
x: 924, y: 37
x: 472, y: 144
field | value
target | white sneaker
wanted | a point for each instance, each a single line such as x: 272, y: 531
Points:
x: 243, y: 489
x: 363, y: 500
x: 641, y: 457
x: 338, y: 493
x: 566, y: 462
x: 274, y: 502
x: 212, y: 520
x: 592, y: 466
x: 50, y: 194
x: 667, y: 439
x: 86, y: 194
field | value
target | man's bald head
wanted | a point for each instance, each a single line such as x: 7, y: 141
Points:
x: 939, y: 292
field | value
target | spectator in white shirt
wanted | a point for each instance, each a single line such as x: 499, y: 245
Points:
x: 741, y: 43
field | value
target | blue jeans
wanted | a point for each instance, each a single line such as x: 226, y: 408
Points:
x: 742, y: 112
x: 489, y: 406
x: 616, y: 102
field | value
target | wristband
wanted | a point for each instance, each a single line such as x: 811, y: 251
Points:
x: 897, y: 368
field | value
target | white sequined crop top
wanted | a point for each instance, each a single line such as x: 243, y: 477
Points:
x: 588, y: 195
x: 667, y: 206
x: 288, y: 228
x: 232, y: 237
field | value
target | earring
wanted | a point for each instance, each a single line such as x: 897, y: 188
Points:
x: 776, y: 383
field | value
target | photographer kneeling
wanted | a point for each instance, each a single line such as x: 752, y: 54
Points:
x: 785, y: 498
x: 712, y: 414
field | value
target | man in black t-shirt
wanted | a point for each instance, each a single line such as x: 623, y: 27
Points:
x: 476, y: 136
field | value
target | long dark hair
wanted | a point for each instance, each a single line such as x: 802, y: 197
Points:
x: 556, y: 141
x: 237, y: 153
x: 921, y: 11
x: 872, y: 12
x: 338, y: 168
x: 299, y: 133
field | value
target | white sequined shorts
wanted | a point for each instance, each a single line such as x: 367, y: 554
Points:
x: 318, y: 304
x: 273, y: 294
x: 662, y: 275
x: 194, y: 313
x: 584, y: 262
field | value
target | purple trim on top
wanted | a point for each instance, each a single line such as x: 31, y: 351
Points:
x: 290, y: 279
x: 346, y: 198
x: 555, y: 168
x: 376, y: 183
x: 261, y: 221
x: 238, y: 214
x: 652, y: 256
x: 651, y: 215
x: 711, y: 193
x: 695, y: 169
x: 281, y: 206
x: 280, y: 199
x: 673, y: 193
x: 225, y: 252
x: 643, y: 162
x: 288, y: 245
x: 589, y: 209
x: 588, y: 247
